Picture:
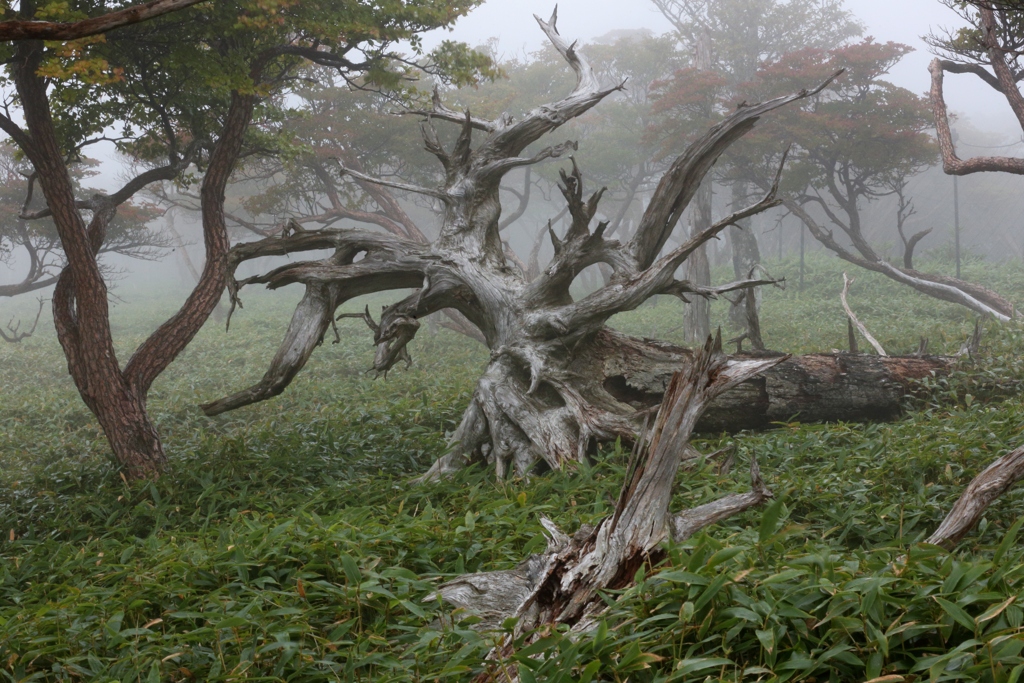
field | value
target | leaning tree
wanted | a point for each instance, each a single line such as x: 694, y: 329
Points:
x: 558, y: 378
x: 179, y: 90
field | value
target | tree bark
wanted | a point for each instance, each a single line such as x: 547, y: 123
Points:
x: 1004, y: 81
x: 81, y: 316
x: 80, y: 298
x: 820, y: 387
x: 983, y: 490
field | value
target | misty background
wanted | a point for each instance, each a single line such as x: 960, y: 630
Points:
x: 991, y: 205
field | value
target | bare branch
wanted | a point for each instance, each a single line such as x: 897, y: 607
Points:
x: 14, y: 333
x: 436, y: 194
x: 980, y: 493
x: 513, y: 138
x: 440, y: 111
x: 305, y: 332
x: 53, y: 30
x: 621, y: 296
x: 978, y: 70
x: 687, y: 523
x: 681, y: 182
x: 853, y: 319
x: 505, y: 165
x: 951, y: 163
x: 524, y: 201
x: 974, y: 297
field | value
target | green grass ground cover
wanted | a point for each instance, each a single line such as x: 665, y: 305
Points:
x: 286, y: 545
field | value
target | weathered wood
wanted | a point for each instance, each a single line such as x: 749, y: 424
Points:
x: 544, y: 394
x: 561, y: 585
x: 847, y: 281
x: 818, y: 387
x: 979, y: 494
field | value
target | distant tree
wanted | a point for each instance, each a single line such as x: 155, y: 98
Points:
x: 686, y: 103
x: 334, y: 127
x: 740, y: 36
x: 859, y: 140
x: 30, y: 245
x: 180, y: 89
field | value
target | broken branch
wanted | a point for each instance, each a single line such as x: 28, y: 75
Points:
x: 856, y: 323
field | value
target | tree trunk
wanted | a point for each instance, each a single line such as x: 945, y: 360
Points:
x: 818, y: 387
x: 697, y: 320
x: 746, y: 256
x: 80, y: 299
x: 81, y: 315
x: 620, y: 379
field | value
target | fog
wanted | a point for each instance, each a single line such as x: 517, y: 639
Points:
x: 983, y: 121
x: 903, y: 21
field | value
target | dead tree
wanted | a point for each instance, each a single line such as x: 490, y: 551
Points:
x: 558, y: 379
x: 854, y: 323
x: 543, y: 395
x: 560, y: 586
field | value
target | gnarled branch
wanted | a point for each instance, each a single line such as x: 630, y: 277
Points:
x: 951, y: 163
x: 983, y: 490
x: 678, y: 186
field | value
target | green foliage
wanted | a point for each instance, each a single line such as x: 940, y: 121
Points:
x: 286, y: 544
x: 166, y: 83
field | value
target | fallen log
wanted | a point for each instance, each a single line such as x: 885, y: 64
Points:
x: 817, y: 387
x: 618, y: 381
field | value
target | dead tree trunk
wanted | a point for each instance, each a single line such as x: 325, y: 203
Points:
x: 542, y: 396
x: 561, y: 585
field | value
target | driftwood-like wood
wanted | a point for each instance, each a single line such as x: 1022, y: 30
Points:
x: 855, y: 322
x: 560, y: 586
x: 979, y: 494
x: 817, y: 387
x: 544, y: 394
